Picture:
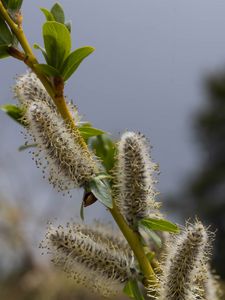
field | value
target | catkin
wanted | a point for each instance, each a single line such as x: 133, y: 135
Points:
x: 134, y: 188
x: 28, y: 89
x: 93, y: 259
x: 185, y: 255
x: 58, y: 150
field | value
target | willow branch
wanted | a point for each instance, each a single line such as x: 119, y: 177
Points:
x: 31, y: 61
x: 55, y: 91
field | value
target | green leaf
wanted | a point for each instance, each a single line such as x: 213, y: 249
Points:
x: 68, y: 25
x: 6, y: 37
x: 36, y: 46
x: 58, y: 13
x: 128, y: 289
x: 15, y: 42
x: 5, y: 3
x: 101, y: 190
x: 105, y: 149
x: 74, y: 59
x: 88, y: 131
x: 132, y: 290
x: 13, y: 4
x: 14, y: 112
x: 47, y: 70
x: 160, y: 225
x: 153, y: 235
x: 57, y: 43
x: 48, y: 15
x: 4, y: 51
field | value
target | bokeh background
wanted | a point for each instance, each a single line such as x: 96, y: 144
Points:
x: 158, y: 68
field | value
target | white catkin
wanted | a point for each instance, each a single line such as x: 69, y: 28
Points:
x: 206, y: 284
x: 29, y: 89
x: 94, y: 260
x: 58, y: 149
x: 134, y: 188
x: 185, y: 255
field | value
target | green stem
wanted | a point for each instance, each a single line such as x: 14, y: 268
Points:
x: 135, y: 244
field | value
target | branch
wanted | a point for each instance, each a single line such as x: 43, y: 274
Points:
x: 56, y: 92
x: 31, y: 61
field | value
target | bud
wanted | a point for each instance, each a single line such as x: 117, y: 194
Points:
x: 134, y: 187
x: 89, y: 256
x: 58, y: 149
x: 185, y: 255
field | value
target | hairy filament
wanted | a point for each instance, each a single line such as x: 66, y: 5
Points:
x: 58, y: 149
x: 88, y: 256
x: 185, y: 254
x: 134, y: 187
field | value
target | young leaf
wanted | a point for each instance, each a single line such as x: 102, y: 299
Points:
x: 89, y: 131
x: 14, y: 112
x: 105, y: 149
x: 5, y: 3
x: 101, y: 190
x: 47, y: 70
x: 128, y: 289
x: 13, y: 4
x: 36, y: 46
x: 160, y: 225
x: 57, y: 43
x: 156, y: 239
x: 6, y: 37
x: 153, y: 235
x: 132, y: 290
x: 74, y: 59
x: 48, y: 15
x: 3, y: 51
x: 68, y: 25
x: 58, y: 13
x: 15, y: 42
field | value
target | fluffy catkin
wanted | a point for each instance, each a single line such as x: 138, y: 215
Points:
x: 94, y: 260
x: 134, y: 189
x: 58, y: 149
x: 28, y: 89
x: 185, y: 254
x: 206, y: 284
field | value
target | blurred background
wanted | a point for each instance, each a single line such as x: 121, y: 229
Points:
x: 158, y: 68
